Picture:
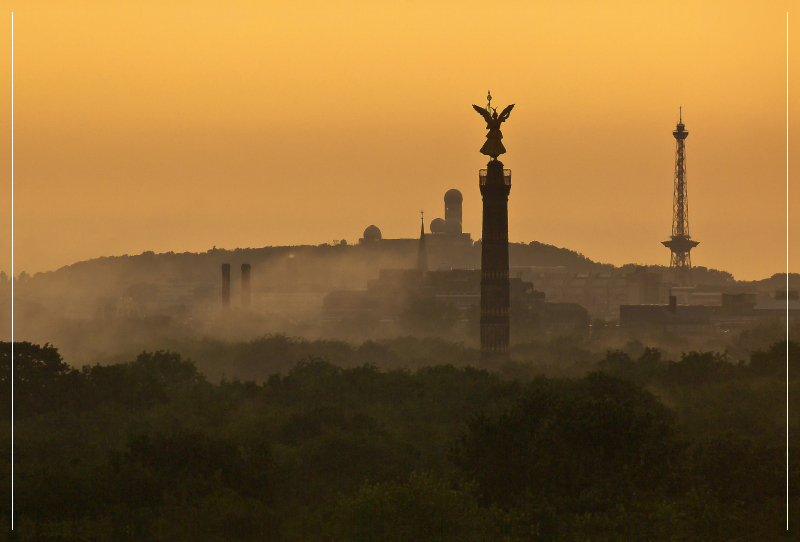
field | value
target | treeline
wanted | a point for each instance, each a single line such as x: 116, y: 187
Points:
x: 258, y: 359
x: 640, y: 448
x: 114, y: 275
x: 204, y: 266
x: 556, y: 355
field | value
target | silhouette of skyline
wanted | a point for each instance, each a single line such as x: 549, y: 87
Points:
x: 180, y: 128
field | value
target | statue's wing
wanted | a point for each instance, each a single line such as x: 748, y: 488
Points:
x: 484, y: 113
x: 506, y: 112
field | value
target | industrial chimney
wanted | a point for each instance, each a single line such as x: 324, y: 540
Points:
x: 226, y: 286
x: 245, y: 286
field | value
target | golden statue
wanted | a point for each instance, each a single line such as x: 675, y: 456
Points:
x: 494, y: 144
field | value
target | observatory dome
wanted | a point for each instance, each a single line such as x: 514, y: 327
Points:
x: 372, y: 233
x: 437, y: 225
x: 453, y: 196
x: 452, y: 225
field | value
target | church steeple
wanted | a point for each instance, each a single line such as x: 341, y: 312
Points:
x: 422, y: 255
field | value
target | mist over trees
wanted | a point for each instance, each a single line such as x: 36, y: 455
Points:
x: 117, y: 306
x: 639, y: 447
x: 192, y: 423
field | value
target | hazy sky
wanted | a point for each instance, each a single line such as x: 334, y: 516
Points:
x: 178, y: 126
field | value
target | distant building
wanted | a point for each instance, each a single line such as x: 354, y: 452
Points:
x: 731, y: 312
x: 600, y: 293
x: 738, y: 303
x: 643, y: 287
x: 387, y: 297
x: 703, y: 312
x: 672, y: 317
x: 782, y: 303
x: 446, y: 246
x: 452, y: 210
x: 371, y: 235
x: 683, y: 294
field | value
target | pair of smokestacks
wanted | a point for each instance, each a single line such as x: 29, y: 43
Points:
x: 226, y: 286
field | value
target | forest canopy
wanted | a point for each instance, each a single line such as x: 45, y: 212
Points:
x: 636, y: 448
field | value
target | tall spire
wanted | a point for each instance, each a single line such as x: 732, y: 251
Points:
x: 680, y: 242
x: 495, y: 185
x: 422, y: 255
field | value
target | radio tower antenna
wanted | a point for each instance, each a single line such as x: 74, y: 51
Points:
x: 680, y: 242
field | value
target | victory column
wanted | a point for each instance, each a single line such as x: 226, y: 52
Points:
x: 495, y: 185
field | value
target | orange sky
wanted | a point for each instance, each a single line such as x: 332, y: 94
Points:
x: 245, y: 124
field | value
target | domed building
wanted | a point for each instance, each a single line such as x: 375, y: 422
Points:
x: 452, y: 208
x: 371, y: 235
x: 446, y: 246
x: 453, y: 196
x: 452, y: 225
x: 437, y: 225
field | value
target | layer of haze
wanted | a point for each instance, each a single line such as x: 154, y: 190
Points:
x: 187, y: 125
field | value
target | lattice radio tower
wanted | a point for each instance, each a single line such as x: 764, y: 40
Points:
x: 680, y: 242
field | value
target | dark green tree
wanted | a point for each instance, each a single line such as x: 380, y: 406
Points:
x: 569, y: 441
